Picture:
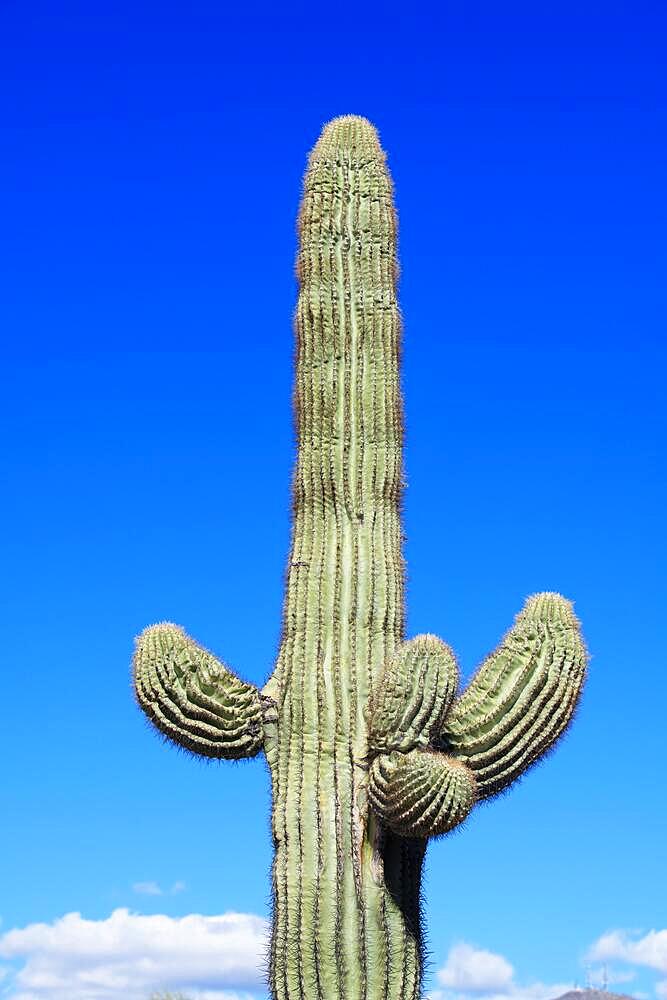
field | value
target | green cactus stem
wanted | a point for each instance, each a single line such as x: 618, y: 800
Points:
x: 370, y: 750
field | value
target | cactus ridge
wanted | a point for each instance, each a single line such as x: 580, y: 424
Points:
x: 370, y: 749
x: 193, y: 698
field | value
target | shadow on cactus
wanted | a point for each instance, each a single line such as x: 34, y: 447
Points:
x: 371, y: 749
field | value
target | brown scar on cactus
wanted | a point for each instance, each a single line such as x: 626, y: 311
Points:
x: 371, y: 748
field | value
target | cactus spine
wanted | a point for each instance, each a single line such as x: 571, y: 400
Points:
x: 370, y: 750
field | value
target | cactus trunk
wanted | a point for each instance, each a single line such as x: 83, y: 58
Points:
x: 370, y: 750
x: 344, y: 926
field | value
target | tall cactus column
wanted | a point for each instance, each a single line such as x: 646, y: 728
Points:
x: 344, y: 612
x: 371, y: 751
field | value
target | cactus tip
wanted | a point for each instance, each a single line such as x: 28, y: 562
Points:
x: 350, y: 133
x: 550, y: 606
x: 158, y: 628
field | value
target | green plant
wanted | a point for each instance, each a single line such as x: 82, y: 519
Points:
x: 371, y: 752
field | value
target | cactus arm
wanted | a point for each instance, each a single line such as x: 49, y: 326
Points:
x: 522, y: 698
x: 413, y: 694
x: 421, y: 793
x: 194, y: 699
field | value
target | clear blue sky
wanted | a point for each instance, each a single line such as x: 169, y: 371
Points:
x: 150, y: 170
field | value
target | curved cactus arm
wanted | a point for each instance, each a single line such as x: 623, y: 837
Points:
x: 414, y: 691
x: 194, y: 699
x: 522, y: 698
x: 421, y: 793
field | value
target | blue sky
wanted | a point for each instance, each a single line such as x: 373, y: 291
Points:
x: 151, y: 164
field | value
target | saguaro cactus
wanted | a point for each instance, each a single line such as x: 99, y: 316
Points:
x: 371, y: 752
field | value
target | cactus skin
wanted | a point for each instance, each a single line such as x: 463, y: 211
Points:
x: 370, y: 751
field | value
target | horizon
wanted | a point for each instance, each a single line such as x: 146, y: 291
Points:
x: 153, y: 162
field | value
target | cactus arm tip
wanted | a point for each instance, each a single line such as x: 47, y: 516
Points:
x: 193, y: 699
x: 523, y: 696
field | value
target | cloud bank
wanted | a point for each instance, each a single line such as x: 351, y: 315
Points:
x: 128, y: 956
x: 223, y: 957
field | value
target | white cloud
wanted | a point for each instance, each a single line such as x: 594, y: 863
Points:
x: 154, y: 889
x: 649, y: 950
x: 471, y: 973
x: 473, y: 970
x: 128, y: 955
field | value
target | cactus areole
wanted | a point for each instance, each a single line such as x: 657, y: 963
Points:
x: 370, y: 746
